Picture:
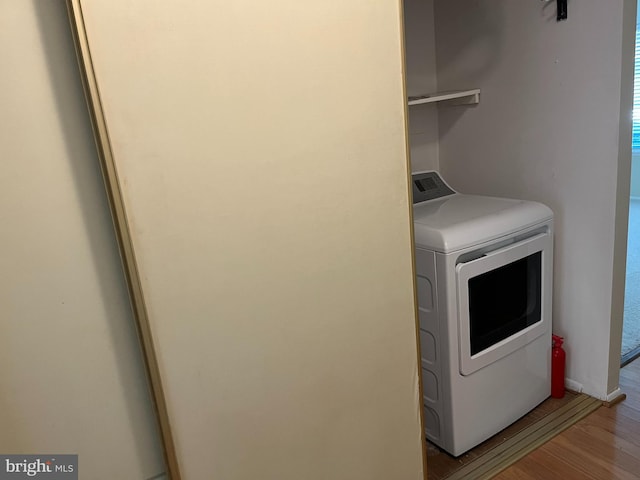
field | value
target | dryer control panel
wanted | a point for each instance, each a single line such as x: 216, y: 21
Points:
x: 429, y: 186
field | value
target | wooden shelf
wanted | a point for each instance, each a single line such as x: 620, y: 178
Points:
x: 460, y: 97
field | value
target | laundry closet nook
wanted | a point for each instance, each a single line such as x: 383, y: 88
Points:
x: 506, y: 101
x: 551, y: 124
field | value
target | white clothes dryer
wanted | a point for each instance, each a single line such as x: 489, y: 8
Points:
x: 484, y: 281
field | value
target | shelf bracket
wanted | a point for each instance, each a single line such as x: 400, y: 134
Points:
x: 467, y: 100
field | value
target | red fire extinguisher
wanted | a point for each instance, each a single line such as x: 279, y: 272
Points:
x: 558, y: 358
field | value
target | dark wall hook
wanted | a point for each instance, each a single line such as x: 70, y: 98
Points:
x: 562, y: 10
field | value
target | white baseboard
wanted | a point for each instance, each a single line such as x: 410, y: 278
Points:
x: 573, y: 385
x: 614, y: 395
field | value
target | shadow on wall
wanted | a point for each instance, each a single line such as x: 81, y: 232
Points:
x: 466, y: 52
x: 75, y: 127
x: 475, y: 48
x: 472, y: 50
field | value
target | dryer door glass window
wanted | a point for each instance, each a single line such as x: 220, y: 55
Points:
x: 504, y: 301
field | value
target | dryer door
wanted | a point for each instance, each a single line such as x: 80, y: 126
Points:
x: 504, y: 301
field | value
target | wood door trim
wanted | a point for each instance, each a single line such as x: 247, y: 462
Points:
x: 123, y: 233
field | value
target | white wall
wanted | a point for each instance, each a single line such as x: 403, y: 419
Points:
x: 549, y: 128
x: 71, y: 369
x: 420, y: 58
x: 625, y: 114
x: 261, y: 152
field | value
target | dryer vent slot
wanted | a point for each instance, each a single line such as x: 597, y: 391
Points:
x: 486, y: 250
x: 470, y: 257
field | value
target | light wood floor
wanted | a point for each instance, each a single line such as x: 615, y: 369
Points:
x: 605, y: 445
x: 441, y: 466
